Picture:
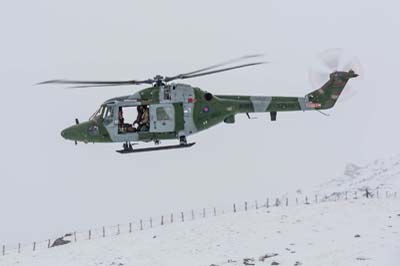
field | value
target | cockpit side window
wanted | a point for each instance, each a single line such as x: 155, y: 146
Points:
x: 98, y: 113
x: 108, y: 114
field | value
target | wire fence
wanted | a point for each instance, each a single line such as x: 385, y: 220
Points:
x: 190, y: 215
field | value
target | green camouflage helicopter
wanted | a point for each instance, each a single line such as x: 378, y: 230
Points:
x: 167, y: 111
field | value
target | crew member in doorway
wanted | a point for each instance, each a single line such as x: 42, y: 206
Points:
x: 120, y: 119
x: 144, y: 120
x: 139, y: 115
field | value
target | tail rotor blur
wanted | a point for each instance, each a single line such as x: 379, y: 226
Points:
x: 335, y: 60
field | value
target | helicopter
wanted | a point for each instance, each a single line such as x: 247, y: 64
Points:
x: 174, y: 111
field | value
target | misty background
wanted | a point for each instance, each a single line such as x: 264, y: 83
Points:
x: 49, y: 186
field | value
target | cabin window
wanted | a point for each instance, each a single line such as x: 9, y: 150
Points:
x: 162, y: 113
x: 133, y: 119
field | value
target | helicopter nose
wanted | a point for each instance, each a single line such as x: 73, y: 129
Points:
x: 70, y: 133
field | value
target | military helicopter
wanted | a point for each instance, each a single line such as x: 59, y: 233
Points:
x: 168, y: 111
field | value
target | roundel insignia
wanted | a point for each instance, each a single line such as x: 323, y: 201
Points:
x: 206, y: 109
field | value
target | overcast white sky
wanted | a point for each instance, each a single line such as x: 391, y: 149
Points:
x: 49, y: 185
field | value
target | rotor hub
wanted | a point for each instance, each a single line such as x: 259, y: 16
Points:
x: 158, y: 77
x: 159, y: 80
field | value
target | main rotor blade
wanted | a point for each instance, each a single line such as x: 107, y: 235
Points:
x: 96, y: 83
x: 192, y: 74
x: 96, y: 86
x: 166, y: 79
x: 221, y: 70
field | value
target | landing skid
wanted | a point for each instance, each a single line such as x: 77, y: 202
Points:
x: 169, y: 147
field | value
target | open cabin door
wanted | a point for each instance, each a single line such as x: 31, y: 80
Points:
x: 162, y: 118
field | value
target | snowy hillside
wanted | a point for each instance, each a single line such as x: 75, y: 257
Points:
x: 353, y: 232
x: 349, y: 231
x: 378, y: 176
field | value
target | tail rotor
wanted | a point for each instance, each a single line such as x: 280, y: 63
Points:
x: 335, y: 60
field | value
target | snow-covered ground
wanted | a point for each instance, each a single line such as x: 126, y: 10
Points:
x: 341, y: 232
x: 353, y: 232
x: 379, y: 176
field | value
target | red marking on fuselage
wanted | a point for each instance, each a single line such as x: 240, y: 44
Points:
x: 313, y: 105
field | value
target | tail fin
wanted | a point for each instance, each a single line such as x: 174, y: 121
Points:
x: 327, y: 95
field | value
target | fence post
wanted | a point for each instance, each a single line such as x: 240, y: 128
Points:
x: 192, y: 214
x: 346, y: 195
x: 182, y: 217
x: 297, y: 201
x: 355, y: 194
x: 90, y: 234
x: 267, y: 202
x: 19, y: 247
x: 377, y: 193
x: 245, y: 205
x: 74, y: 236
x: 234, y: 207
x: 48, y: 244
x: 4, y: 250
x: 172, y: 218
x: 151, y: 222
x: 256, y: 205
x: 316, y: 199
x: 287, y: 202
x: 104, y: 232
x: 130, y: 227
x: 204, y: 212
x: 118, y: 230
x: 162, y: 220
x: 34, y: 246
x: 141, y: 225
x: 215, y: 211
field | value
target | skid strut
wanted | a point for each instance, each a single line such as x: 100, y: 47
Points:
x: 158, y: 148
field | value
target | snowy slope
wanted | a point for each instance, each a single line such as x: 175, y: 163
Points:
x: 344, y: 232
x: 378, y: 176
x: 321, y: 234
